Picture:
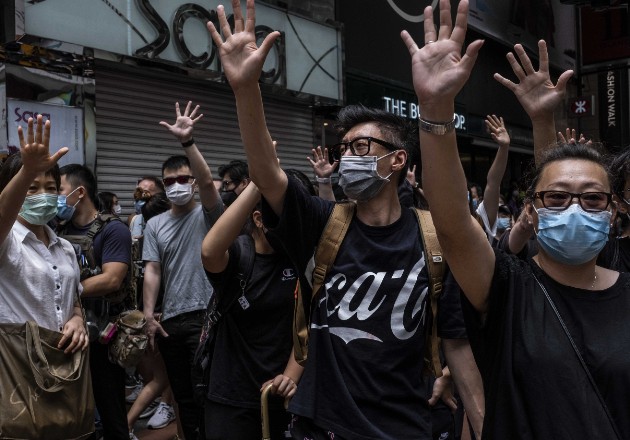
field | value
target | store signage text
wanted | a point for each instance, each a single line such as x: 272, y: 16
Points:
x: 610, y: 98
x: 411, y: 110
x: 203, y: 61
x: 24, y: 115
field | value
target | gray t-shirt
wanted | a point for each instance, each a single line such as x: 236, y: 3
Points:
x: 175, y: 243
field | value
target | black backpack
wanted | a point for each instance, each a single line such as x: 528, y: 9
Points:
x: 215, y: 312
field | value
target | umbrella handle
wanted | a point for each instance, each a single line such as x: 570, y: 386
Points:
x: 264, y: 412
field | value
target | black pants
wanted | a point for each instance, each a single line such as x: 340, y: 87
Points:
x: 178, y: 350
x: 303, y: 429
x: 108, y: 384
x: 225, y: 422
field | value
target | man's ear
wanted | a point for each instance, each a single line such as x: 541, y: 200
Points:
x: 257, y: 217
x: 399, y: 160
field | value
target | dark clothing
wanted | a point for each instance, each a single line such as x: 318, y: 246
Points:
x: 225, y: 422
x: 363, y: 376
x: 111, y: 245
x: 177, y: 351
x: 529, y: 250
x: 253, y: 344
x: 616, y: 255
x: 108, y: 385
x: 534, y: 385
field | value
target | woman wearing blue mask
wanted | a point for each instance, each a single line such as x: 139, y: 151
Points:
x: 550, y: 333
x: 39, y: 275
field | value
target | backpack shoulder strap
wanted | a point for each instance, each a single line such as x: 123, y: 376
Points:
x: 330, y: 241
x: 435, y: 267
x: 99, y: 224
x: 247, y: 252
x: 325, y: 254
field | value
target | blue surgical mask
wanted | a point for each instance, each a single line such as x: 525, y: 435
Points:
x: 39, y: 209
x: 65, y: 211
x: 572, y: 236
x: 503, y: 223
x: 359, y: 178
x: 137, y: 206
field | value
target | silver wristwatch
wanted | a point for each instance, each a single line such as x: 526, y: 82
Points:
x: 439, y: 128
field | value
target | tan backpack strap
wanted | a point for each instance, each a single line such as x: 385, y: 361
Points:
x: 325, y: 254
x: 435, y: 267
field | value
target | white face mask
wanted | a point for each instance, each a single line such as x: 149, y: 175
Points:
x: 117, y: 209
x: 180, y: 194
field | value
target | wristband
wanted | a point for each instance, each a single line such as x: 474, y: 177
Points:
x: 322, y: 179
x: 439, y: 128
x: 188, y: 143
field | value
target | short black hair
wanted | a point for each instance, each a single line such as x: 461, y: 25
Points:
x: 620, y: 170
x: 175, y: 163
x: 563, y: 151
x: 80, y: 175
x: 12, y: 165
x: 106, y: 201
x: 237, y: 170
x: 395, y: 129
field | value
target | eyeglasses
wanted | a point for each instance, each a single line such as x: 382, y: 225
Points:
x: 359, y: 147
x: 226, y: 183
x: 168, y: 181
x: 561, y: 200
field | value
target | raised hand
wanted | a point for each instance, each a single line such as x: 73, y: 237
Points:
x: 439, y: 70
x: 535, y: 90
x: 571, y: 138
x: 320, y: 163
x: 496, y: 128
x: 411, y: 176
x: 182, y: 129
x: 35, y: 149
x: 241, y: 58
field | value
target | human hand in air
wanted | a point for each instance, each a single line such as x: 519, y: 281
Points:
x: 35, y: 151
x: 321, y: 166
x: 570, y: 138
x: 496, y: 128
x: 241, y: 58
x: 182, y: 129
x: 535, y: 91
x: 439, y: 70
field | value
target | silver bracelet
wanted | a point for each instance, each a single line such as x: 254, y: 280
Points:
x: 439, y: 128
x: 323, y: 179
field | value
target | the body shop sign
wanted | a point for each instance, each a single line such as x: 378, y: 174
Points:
x: 307, y: 58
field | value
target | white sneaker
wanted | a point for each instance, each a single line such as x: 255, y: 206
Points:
x: 150, y: 410
x: 134, y: 394
x: 164, y: 415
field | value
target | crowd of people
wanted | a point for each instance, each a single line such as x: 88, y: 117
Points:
x: 327, y: 294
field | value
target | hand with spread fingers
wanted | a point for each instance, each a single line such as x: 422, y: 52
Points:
x: 570, y: 138
x: 321, y: 166
x: 241, y: 58
x: 439, y: 70
x: 534, y: 89
x: 35, y: 149
x: 496, y: 128
x: 184, y: 124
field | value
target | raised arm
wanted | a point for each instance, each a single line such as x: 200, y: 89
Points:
x: 182, y: 129
x: 323, y: 169
x: 242, y: 62
x: 537, y: 94
x: 497, y: 130
x: 214, y: 249
x: 439, y: 72
x: 36, y: 159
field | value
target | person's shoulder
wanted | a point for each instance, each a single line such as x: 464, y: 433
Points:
x: 117, y: 226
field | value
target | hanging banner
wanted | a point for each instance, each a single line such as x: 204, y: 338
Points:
x: 614, y: 121
x: 66, y: 127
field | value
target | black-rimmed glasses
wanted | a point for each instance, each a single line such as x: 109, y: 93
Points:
x: 168, y: 181
x: 561, y: 200
x: 359, y: 147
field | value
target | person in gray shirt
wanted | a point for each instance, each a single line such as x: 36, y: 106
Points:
x: 172, y: 255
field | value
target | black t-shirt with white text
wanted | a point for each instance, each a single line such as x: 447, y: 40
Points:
x: 363, y: 378
x: 535, y: 387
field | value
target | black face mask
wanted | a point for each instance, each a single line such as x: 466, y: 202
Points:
x: 228, y: 197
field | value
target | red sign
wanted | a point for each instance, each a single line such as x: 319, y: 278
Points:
x: 580, y: 107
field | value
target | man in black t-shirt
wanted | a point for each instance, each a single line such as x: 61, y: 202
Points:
x: 363, y: 376
x: 112, y: 254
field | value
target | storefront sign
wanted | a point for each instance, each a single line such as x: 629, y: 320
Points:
x: 306, y: 59
x: 614, y: 120
x: 411, y: 110
x: 66, y: 127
